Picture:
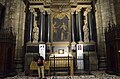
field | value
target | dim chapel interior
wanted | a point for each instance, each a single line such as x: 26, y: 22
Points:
x: 73, y: 36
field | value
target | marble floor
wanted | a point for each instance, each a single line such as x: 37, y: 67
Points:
x: 95, y: 75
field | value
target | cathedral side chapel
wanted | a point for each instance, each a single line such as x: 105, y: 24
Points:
x: 74, y: 37
x: 61, y: 26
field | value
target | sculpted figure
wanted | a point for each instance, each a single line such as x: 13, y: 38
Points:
x: 85, y: 28
x: 35, y: 33
x: 86, y: 31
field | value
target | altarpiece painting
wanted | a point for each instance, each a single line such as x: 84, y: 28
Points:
x: 60, y: 27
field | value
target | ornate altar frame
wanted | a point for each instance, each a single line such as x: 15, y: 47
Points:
x: 61, y: 18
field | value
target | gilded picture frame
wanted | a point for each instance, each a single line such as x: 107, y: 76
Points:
x: 60, y: 30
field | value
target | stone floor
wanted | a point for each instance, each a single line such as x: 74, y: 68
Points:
x: 95, y: 75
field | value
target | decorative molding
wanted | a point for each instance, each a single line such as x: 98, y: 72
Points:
x: 60, y: 8
x: 84, y: 1
x: 59, y: 2
x: 58, y: 5
x: 36, y: 1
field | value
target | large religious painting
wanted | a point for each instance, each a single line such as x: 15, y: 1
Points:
x: 60, y: 27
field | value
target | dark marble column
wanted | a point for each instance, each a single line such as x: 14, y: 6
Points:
x: 73, y: 43
x: 77, y: 28
x: 41, y: 26
x: 43, y: 35
x: 72, y: 27
x: 49, y: 28
x: 80, y: 25
x: 31, y: 23
x: 90, y: 22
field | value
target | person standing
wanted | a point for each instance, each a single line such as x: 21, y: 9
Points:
x: 40, y: 63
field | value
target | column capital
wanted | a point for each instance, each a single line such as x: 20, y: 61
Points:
x: 48, y: 12
x: 41, y: 10
x: 32, y: 9
x: 35, y: 13
x: 72, y: 12
x: 78, y: 10
x: 44, y: 12
x: 89, y: 9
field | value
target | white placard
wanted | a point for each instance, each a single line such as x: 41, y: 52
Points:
x: 42, y: 50
x: 79, y: 50
x: 80, y: 58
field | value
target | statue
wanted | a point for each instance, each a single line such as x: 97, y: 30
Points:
x: 86, y: 31
x: 35, y: 33
x: 85, y: 27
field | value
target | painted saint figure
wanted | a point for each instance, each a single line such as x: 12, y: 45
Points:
x: 56, y: 31
x: 63, y: 29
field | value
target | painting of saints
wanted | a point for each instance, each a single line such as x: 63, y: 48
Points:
x: 60, y: 28
x: 63, y: 29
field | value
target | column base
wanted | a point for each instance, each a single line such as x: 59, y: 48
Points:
x: 73, y: 45
x: 41, y: 42
x: 91, y: 41
x: 29, y: 42
x: 80, y: 42
x: 48, y: 43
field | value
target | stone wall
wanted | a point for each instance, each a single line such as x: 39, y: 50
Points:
x: 15, y: 18
x: 117, y: 10
x: 2, y: 2
x: 104, y: 15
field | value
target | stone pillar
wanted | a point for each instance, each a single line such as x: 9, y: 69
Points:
x: 15, y: 18
x: 41, y: 25
x: 76, y: 15
x: 79, y: 17
x: 49, y: 28
x: 43, y: 35
x: 72, y: 27
x: 90, y: 22
x: 103, y: 15
x: 72, y: 32
x: 31, y: 23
